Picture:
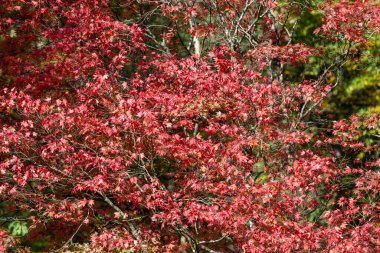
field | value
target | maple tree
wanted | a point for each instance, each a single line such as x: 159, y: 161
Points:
x: 177, y: 126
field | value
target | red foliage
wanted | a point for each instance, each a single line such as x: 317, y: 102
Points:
x: 351, y: 20
x: 196, y: 153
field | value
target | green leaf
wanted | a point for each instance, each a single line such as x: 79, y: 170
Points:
x: 18, y: 228
x: 262, y: 179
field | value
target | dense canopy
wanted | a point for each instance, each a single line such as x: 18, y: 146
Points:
x: 188, y: 126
